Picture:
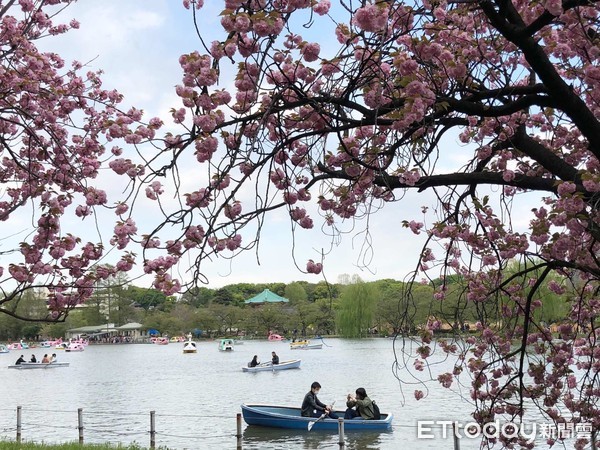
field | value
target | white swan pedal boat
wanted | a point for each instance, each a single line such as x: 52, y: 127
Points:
x: 189, y: 347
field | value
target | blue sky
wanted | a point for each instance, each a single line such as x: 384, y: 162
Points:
x: 137, y: 44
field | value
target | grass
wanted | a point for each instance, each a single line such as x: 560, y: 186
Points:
x: 10, y: 445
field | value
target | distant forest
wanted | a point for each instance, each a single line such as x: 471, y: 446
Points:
x: 350, y: 308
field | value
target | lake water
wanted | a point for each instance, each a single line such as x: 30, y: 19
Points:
x: 197, y: 396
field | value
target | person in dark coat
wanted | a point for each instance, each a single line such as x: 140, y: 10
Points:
x: 33, y: 359
x: 254, y: 362
x: 20, y: 360
x: 312, y: 407
x: 275, y: 358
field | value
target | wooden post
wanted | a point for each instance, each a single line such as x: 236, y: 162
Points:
x: 80, y: 424
x: 18, y: 424
x: 341, y: 441
x: 238, y: 420
x: 152, y: 430
x: 455, y: 434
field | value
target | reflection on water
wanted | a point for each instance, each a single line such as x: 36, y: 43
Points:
x: 261, y: 437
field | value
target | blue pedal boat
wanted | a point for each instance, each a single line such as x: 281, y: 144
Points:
x: 289, y: 417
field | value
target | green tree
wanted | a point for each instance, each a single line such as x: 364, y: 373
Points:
x: 30, y: 304
x: 388, y: 314
x: 325, y: 318
x: 269, y: 318
x: 75, y: 319
x: 198, y: 296
x: 207, y: 321
x: 305, y: 317
x: 146, y: 298
x: 295, y: 293
x: 223, y: 296
x: 228, y: 317
x: 357, y: 304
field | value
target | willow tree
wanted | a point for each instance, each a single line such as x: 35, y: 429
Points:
x: 356, y: 308
x: 348, y: 105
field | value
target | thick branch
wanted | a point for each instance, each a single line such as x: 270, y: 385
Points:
x: 566, y: 99
x: 546, y: 18
x: 453, y: 179
x: 520, y: 104
x: 547, y: 159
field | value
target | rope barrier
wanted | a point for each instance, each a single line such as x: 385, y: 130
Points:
x: 25, y: 408
x: 194, y: 416
x: 231, y: 435
x: 112, y: 413
x: 41, y: 425
x: 116, y: 433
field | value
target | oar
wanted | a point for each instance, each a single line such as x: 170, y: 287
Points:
x: 312, y: 422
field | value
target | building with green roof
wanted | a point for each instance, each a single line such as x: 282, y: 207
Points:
x: 266, y: 296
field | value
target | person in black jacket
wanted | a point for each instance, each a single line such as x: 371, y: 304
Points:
x: 312, y: 407
x: 20, y: 360
x: 275, y: 358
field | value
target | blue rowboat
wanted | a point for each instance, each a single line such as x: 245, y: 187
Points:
x: 289, y: 417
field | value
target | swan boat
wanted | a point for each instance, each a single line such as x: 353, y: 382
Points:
x: 189, y: 347
x: 226, y: 345
x: 75, y: 347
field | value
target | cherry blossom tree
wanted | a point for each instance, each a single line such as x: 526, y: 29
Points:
x: 346, y: 105
x: 59, y: 128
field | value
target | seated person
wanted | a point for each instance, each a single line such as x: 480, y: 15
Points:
x: 312, y: 407
x: 45, y: 359
x: 275, y: 358
x: 364, y: 406
x: 254, y: 362
x: 33, y: 359
x: 20, y: 360
x: 53, y: 358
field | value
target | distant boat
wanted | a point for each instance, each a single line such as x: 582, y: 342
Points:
x: 61, y: 346
x: 275, y: 337
x: 269, y: 367
x: 189, y: 346
x: 18, y: 346
x: 226, y: 345
x: 3, y: 348
x: 290, y: 417
x: 161, y: 341
x: 305, y: 345
x: 38, y: 365
x: 75, y: 347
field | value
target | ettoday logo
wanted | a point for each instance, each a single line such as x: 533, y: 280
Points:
x: 426, y: 429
